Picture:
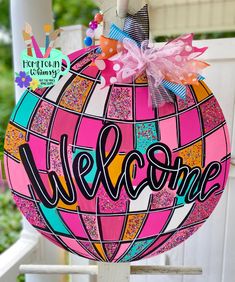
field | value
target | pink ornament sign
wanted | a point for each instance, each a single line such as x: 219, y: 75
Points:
x: 103, y: 175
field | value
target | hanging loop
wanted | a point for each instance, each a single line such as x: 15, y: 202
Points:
x: 122, y: 8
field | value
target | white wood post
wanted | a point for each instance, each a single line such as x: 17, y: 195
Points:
x: 22, y: 251
x: 122, y: 8
x: 115, y: 11
x: 106, y: 270
x: 37, y: 13
x: 114, y: 272
x: 71, y: 39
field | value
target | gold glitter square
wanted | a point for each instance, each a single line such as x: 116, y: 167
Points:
x: 13, y: 139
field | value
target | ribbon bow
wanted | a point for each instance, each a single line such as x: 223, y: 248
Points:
x: 169, y: 68
x: 173, y: 64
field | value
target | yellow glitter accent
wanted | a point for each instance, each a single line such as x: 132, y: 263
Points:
x: 192, y: 155
x: 134, y: 223
x: 14, y: 138
x: 142, y: 79
x: 75, y: 95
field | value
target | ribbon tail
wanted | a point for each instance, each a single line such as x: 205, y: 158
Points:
x: 178, y: 89
x: 158, y: 95
x: 200, y: 77
x: 137, y: 25
x: 167, y: 95
x: 154, y: 98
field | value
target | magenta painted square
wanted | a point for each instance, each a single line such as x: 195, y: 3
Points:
x: 218, y: 138
x: 89, y: 129
x: 166, y: 110
x: 61, y: 119
x: 190, y: 127
x: 77, y: 229
x: 39, y: 150
x: 143, y: 110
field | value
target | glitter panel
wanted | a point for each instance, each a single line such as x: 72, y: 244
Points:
x: 133, y: 225
x: 145, y: 135
x: 42, y: 118
x: 30, y: 211
x: 75, y: 95
x: 13, y: 139
x: 120, y: 104
x: 211, y: 114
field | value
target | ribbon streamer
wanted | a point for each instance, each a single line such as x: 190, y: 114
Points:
x: 137, y: 25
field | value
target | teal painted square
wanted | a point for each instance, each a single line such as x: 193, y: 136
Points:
x: 91, y: 175
x: 53, y: 219
x: 146, y: 135
x: 181, y: 199
x: 18, y: 105
x: 136, y: 249
x: 24, y: 109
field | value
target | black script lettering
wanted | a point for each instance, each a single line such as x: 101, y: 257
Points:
x: 80, y: 170
x: 155, y: 165
x: 211, y: 172
x: 125, y: 177
x: 184, y: 179
x: 58, y: 191
x: 83, y: 164
x: 189, y: 183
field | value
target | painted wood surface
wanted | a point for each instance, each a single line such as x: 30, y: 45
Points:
x: 213, y: 246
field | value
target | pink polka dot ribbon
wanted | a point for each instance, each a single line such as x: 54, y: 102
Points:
x: 175, y: 62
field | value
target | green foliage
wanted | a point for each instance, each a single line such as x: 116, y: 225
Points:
x: 21, y: 278
x: 10, y: 221
x: 6, y: 90
x: 5, y: 14
x: 73, y: 12
x: 214, y: 35
x: 67, y: 12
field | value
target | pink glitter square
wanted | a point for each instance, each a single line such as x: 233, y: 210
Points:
x: 120, y: 103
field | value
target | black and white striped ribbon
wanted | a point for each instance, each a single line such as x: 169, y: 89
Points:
x: 159, y: 95
x: 137, y: 25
